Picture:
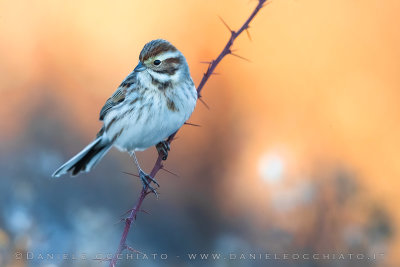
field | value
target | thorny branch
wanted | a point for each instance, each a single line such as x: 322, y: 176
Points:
x: 158, y: 164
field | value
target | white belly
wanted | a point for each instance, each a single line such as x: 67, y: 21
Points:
x: 145, y: 127
x: 148, y: 130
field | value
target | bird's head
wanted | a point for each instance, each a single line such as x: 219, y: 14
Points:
x: 162, y: 61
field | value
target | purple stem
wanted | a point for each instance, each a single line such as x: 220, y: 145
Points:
x: 158, y: 164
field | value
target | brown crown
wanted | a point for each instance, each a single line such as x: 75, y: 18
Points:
x: 155, y: 48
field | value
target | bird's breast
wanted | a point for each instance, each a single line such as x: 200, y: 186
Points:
x: 150, y: 116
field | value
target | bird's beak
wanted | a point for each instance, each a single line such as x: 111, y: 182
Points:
x: 140, y: 67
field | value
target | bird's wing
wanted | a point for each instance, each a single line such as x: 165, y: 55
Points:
x: 114, y: 100
x: 118, y: 96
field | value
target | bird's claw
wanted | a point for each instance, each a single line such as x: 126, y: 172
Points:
x: 163, y: 148
x: 147, y: 180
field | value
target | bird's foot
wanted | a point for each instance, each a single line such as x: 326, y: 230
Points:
x: 163, y: 148
x: 147, y: 180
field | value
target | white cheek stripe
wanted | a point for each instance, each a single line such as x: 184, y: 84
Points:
x: 168, y: 55
x: 162, y: 77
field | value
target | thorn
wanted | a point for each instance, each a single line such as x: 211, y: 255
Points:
x: 122, y: 219
x: 170, y: 172
x: 204, y: 103
x: 226, y: 25
x: 248, y: 34
x: 131, y: 174
x: 133, y: 250
x: 192, y: 124
x: 144, y: 211
x: 264, y: 3
x: 126, y: 212
x: 126, y: 219
x: 240, y: 57
x: 130, y: 210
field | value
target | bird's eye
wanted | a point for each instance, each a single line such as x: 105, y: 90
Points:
x: 157, y: 62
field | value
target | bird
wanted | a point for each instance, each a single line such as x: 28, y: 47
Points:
x: 150, y: 104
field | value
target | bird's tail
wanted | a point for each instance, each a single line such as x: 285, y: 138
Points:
x: 85, y: 160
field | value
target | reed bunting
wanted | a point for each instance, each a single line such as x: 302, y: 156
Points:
x: 153, y: 102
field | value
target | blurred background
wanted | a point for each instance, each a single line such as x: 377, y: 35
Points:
x: 299, y: 152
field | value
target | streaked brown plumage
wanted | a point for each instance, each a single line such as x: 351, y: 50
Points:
x: 151, y: 103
